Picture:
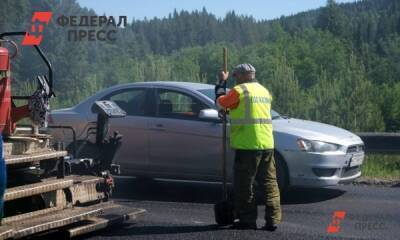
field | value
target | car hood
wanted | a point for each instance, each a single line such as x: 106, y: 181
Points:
x: 315, y: 131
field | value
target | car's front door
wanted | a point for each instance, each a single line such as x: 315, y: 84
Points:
x: 133, y: 154
x: 181, y: 144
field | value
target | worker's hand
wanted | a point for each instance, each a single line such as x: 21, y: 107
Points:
x: 223, y: 76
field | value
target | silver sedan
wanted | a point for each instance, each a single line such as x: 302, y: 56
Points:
x: 172, y: 130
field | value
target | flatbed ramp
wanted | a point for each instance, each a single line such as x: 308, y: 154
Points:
x: 51, y: 201
x: 71, y: 222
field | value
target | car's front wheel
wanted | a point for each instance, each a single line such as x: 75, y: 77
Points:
x: 281, y: 173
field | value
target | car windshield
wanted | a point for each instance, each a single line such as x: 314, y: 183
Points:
x: 209, y: 92
x: 275, y: 115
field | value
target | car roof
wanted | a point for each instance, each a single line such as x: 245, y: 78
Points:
x: 187, y: 85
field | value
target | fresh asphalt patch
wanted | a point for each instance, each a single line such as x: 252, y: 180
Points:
x: 184, y: 210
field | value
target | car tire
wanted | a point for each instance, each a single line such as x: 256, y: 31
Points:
x: 282, y: 173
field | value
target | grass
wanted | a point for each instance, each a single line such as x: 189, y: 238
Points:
x: 381, y: 166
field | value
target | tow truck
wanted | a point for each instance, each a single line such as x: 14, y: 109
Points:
x: 50, y: 188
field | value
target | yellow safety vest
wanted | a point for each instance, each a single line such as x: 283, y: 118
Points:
x: 251, y: 123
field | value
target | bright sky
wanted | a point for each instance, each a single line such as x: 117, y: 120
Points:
x: 259, y: 9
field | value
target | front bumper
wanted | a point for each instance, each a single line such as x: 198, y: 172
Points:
x: 321, y: 169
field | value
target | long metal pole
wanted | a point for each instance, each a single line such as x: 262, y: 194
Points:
x: 224, y: 137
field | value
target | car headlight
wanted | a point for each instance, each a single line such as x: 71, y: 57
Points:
x: 316, y: 146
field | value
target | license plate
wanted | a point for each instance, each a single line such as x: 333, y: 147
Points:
x: 357, y: 160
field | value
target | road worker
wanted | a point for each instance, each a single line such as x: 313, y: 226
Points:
x: 249, y: 106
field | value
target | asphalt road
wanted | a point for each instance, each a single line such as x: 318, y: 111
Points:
x: 184, y: 210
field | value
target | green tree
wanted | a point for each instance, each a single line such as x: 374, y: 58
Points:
x: 288, y: 99
x: 333, y: 19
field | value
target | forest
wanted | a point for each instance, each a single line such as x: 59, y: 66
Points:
x: 339, y: 64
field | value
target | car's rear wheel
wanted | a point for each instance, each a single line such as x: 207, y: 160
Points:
x: 282, y: 173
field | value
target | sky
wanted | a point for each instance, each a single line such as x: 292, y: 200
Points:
x: 259, y: 9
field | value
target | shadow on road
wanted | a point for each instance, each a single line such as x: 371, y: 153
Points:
x: 133, y: 230
x: 310, y: 195
x: 202, y: 192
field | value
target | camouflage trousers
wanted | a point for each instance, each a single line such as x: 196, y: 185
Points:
x: 256, y: 166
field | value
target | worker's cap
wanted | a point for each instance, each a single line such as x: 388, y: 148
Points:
x: 243, y: 68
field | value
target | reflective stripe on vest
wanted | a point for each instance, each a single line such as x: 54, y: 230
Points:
x: 251, y: 121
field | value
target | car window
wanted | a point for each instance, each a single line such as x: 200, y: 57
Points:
x: 210, y: 92
x: 174, y: 104
x: 132, y: 101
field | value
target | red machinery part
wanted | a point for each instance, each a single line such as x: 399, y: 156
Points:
x: 5, y: 93
x: 4, y: 59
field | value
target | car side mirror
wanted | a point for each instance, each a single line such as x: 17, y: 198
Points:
x: 209, y: 114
